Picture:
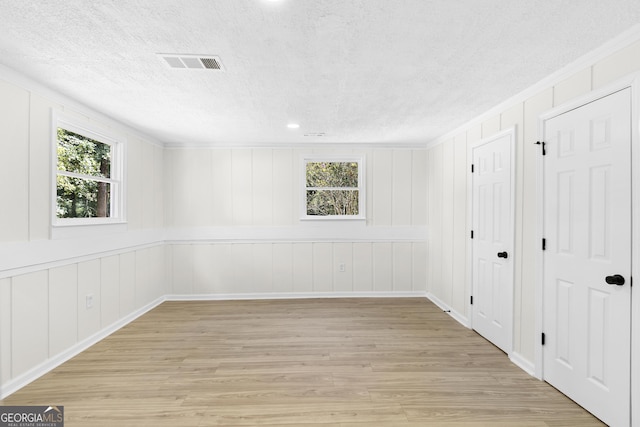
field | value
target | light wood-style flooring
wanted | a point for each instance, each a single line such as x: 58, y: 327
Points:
x: 314, y: 362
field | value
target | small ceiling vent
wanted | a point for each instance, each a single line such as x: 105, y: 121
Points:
x: 315, y: 134
x: 192, y: 62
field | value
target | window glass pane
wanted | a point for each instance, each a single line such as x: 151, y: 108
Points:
x: 332, y: 174
x: 82, y: 198
x: 332, y: 202
x: 79, y: 154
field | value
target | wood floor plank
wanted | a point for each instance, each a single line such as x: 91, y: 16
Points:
x: 312, y: 362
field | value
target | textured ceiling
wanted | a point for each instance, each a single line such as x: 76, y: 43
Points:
x: 392, y: 71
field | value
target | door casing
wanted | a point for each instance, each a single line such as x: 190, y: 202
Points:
x: 632, y: 82
x: 511, y: 133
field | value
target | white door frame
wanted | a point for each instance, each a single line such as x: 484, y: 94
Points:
x: 512, y: 216
x: 633, y: 82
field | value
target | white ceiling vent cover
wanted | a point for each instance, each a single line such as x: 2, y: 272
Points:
x: 192, y: 62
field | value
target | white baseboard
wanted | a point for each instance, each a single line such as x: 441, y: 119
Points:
x: 462, y: 319
x: 522, y: 363
x: 38, y: 371
x: 437, y: 301
x: 293, y: 295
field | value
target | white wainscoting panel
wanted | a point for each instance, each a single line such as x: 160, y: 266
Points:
x: 5, y: 330
x: 29, y: 321
x: 419, y: 265
x: 63, y: 308
x: 282, y: 260
x: 127, y: 284
x: 262, y: 266
x: 44, y: 318
x: 342, y: 267
x: 383, y: 267
x: 363, y: 267
x: 303, y: 267
x: 88, y: 287
x: 201, y: 268
x: 322, y: 267
x: 402, y: 261
x: 109, y: 290
x: 242, y: 269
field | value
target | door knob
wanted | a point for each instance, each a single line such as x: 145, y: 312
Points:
x: 502, y: 255
x: 616, y: 279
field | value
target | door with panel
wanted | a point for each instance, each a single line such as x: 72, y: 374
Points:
x: 492, y: 244
x: 587, y: 261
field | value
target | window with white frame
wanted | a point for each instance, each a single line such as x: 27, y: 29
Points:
x: 334, y: 188
x: 88, y: 175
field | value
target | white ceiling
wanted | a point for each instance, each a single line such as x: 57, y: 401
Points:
x: 376, y: 71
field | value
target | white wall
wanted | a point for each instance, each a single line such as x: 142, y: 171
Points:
x: 25, y: 166
x: 447, y: 168
x: 43, y: 281
x: 233, y: 218
x: 297, y: 268
x: 261, y: 187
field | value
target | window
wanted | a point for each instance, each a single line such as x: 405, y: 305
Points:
x: 334, y: 188
x: 88, y: 175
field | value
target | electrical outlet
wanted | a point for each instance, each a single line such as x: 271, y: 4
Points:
x: 342, y: 268
x: 89, y: 300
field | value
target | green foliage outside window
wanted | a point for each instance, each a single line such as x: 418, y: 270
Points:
x: 83, y: 163
x: 332, y: 188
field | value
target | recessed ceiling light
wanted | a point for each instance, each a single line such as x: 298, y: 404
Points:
x: 293, y: 126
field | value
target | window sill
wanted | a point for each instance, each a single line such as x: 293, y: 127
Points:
x: 333, y: 218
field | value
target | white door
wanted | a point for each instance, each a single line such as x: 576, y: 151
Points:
x: 492, y: 244
x: 587, y: 226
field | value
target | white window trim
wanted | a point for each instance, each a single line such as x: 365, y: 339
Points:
x: 117, y: 180
x: 361, y: 188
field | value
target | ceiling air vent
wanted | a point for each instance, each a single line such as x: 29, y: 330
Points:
x: 192, y: 62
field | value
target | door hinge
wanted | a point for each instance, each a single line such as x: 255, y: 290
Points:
x: 543, y: 144
x: 544, y: 244
x: 472, y: 234
x: 472, y: 168
x: 471, y: 299
x: 543, y: 338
